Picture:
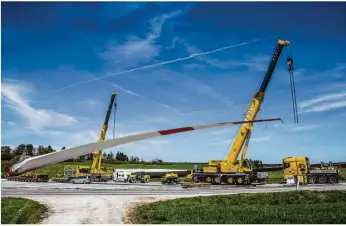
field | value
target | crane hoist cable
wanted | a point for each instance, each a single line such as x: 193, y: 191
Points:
x: 114, y: 116
x: 292, y: 83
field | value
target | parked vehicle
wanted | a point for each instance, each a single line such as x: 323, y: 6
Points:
x: 81, y: 180
x: 121, y: 176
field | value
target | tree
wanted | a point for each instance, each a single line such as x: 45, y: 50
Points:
x: 121, y: 156
x: 40, y: 150
x: 20, y: 149
x: 6, y: 153
x: 134, y: 159
x: 49, y: 149
x: 110, y: 156
x: 155, y: 161
x: 104, y: 155
x: 29, y: 148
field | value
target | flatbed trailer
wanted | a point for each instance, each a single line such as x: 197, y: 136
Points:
x: 29, y: 178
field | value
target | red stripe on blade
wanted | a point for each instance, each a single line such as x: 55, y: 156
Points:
x: 178, y: 130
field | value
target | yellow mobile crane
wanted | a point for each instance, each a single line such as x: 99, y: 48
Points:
x: 231, y: 170
x: 96, y: 172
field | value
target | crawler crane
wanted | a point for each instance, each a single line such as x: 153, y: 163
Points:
x: 231, y: 170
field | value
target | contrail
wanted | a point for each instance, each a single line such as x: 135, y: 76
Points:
x: 136, y: 95
x: 160, y: 64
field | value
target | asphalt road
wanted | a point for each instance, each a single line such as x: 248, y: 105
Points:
x: 11, y: 188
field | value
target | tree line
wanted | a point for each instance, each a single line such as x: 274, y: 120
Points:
x: 29, y: 150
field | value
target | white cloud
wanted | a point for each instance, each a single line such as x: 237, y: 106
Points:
x: 321, y: 98
x: 324, y: 102
x: 136, y: 51
x: 16, y: 95
x: 11, y: 123
x: 327, y: 107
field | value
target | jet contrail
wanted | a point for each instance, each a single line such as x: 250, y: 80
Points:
x: 160, y: 64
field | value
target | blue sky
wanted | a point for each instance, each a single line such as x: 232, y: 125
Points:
x: 49, y: 50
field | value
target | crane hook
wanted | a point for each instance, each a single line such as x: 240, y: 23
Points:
x: 290, y: 63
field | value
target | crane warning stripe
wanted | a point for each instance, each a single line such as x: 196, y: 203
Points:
x: 178, y: 130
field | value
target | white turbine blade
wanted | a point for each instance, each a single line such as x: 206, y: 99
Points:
x: 60, y: 156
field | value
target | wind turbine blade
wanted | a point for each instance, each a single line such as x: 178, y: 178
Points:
x: 63, y: 155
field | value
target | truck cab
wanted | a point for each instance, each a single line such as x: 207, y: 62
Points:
x: 120, y: 176
x: 299, y: 167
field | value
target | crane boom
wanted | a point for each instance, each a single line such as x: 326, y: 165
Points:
x: 255, y: 105
x: 97, y: 155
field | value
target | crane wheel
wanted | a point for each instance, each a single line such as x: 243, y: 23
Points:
x: 208, y: 180
x: 240, y: 180
x: 216, y: 180
x: 322, y: 179
x: 230, y: 180
x: 311, y: 180
x: 333, y: 180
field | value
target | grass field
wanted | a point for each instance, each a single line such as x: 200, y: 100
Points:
x: 307, y: 207
x: 22, y: 211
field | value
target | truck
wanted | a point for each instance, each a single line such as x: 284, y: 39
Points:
x: 299, y: 168
x: 131, y: 177
x: 241, y: 172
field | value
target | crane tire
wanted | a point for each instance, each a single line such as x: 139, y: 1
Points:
x: 322, y: 179
x: 311, y: 180
x: 216, y: 180
x: 208, y: 179
x: 333, y: 179
x: 230, y: 180
x: 240, y: 180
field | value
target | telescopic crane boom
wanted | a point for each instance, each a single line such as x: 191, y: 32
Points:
x: 97, y: 156
x: 254, y: 107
